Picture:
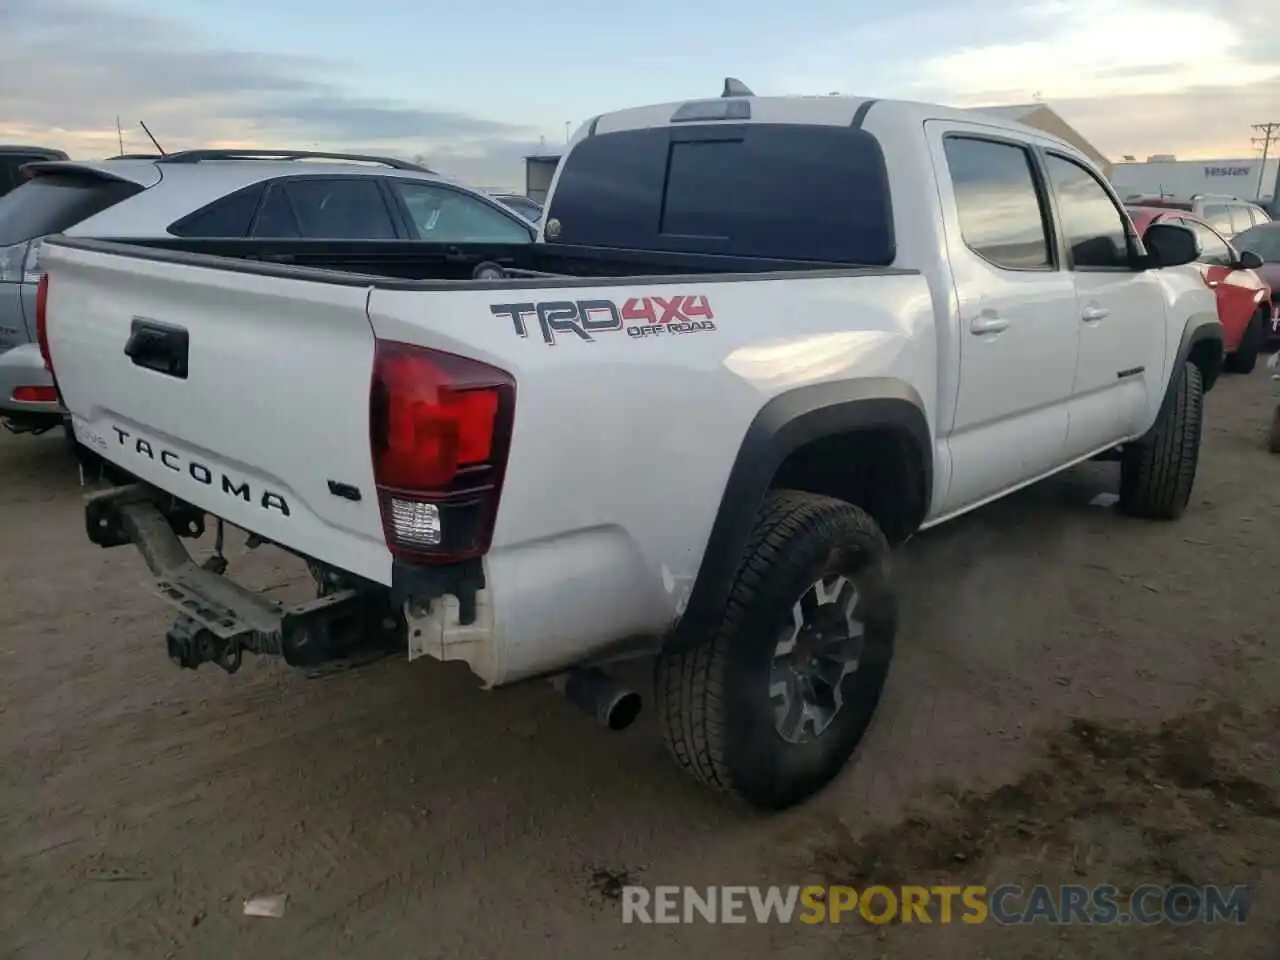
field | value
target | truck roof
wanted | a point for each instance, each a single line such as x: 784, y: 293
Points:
x: 828, y: 110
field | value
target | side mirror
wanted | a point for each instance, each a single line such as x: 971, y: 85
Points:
x: 1249, y: 260
x: 1169, y: 245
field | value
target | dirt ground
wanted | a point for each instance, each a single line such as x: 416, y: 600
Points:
x: 1078, y: 698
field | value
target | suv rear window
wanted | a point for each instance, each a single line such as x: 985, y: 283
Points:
x: 52, y: 202
x: 775, y: 191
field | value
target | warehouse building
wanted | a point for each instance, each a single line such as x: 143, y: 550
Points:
x: 1248, y: 179
x: 538, y: 171
x: 1042, y: 118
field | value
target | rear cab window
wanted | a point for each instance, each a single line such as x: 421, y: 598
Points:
x: 772, y: 191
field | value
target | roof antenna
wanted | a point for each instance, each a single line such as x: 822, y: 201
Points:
x: 153, y: 139
x: 733, y: 87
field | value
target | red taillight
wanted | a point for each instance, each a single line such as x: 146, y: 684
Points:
x: 440, y: 428
x: 35, y: 394
x: 42, y: 323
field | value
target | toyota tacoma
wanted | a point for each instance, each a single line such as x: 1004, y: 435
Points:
x: 758, y: 343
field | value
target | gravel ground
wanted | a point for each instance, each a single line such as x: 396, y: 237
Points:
x: 1077, y: 698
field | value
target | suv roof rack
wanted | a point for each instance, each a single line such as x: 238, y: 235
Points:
x: 196, y: 156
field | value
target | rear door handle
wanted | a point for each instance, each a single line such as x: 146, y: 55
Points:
x: 988, y: 323
x: 161, y: 347
x: 1094, y: 314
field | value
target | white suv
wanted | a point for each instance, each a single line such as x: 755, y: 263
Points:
x: 1227, y: 215
x: 317, y: 199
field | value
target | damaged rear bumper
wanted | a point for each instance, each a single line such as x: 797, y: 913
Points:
x: 219, y: 619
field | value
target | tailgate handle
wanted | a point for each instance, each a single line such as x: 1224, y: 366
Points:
x: 161, y: 347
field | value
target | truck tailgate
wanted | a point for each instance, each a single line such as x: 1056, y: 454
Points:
x: 244, y: 394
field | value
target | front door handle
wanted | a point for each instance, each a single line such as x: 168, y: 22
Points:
x: 1094, y: 314
x: 988, y: 323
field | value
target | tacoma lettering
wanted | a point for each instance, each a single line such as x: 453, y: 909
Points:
x: 201, y: 473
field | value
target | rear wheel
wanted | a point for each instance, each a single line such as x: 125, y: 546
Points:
x: 1158, y: 471
x: 1246, y: 356
x: 773, y: 703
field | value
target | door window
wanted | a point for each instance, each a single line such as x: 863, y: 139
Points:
x: 451, y: 216
x: 1240, y: 219
x: 1218, y: 216
x: 228, y: 216
x: 348, y: 208
x: 1213, y: 249
x: 1000, y: 208
x: 276, y: 220
x: 1094, y: 227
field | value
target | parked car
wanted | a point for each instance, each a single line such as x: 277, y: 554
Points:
x: 1244, y: 304
x: 1264, y: 241
x: 691, y: 421
x: 291, y: 197
x: 531, y: 210
x: 1228, y: 216
x: 13, y: 158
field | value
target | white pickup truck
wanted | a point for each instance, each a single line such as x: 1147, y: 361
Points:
x: 760, y: 341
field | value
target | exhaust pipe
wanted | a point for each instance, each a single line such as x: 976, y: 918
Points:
x: 595, y: 692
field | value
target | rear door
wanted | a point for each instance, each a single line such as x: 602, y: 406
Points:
x: 1017, y: 305
x: 1120, y: 311
x: 241, y: 389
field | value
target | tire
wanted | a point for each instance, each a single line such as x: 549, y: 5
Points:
x: 717, y: 700
x: 1158, y: 471
x: 1273, y: 441
x: 1245, y: 357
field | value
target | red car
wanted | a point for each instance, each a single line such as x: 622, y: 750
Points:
x: 1244, y: 298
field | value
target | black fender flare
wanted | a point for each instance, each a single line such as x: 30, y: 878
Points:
x: 1198, y: 330
x: 783, y: 425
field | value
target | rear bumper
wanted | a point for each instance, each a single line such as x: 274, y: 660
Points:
x: 217, y: 618
x: 22, y: 366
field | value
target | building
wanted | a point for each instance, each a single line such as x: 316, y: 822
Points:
x: 1248, y: 179
x: 539, y: 168
x: 1041, y: 117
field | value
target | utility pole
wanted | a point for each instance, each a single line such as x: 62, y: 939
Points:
x: 120, y: 136
x: 1270, y: 133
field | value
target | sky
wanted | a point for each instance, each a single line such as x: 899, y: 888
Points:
x: 473, y: 87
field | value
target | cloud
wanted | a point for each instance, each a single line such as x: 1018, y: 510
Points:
x: 1212, y: 121
x: 71, y: 69
x: 1097, y: 48
x: 1134, y: 76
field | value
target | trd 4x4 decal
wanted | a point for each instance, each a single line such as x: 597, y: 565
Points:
x: 639, y: 316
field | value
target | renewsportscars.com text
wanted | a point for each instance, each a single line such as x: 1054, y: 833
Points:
x: 1006, y: 904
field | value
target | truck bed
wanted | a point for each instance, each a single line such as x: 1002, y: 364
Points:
x: 416, y: 260
x: 266, y: 422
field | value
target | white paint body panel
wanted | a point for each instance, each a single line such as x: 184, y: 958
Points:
x: 622, y: 446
